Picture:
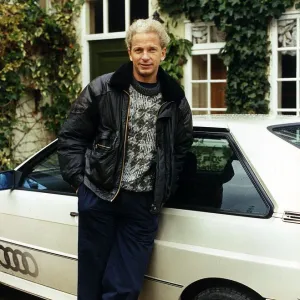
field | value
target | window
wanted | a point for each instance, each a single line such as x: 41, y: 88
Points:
x: 115, y: 15
x: 205, y: 72
x: 215, y: 180
x: 290, y: 133
x: 285, y: 68
x: 45, y: 176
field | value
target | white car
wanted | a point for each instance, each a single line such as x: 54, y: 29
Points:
x: 231, y: 232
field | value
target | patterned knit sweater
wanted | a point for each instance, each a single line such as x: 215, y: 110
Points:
x: 145, y: 102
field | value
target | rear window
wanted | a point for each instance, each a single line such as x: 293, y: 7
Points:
x: 290, y: 133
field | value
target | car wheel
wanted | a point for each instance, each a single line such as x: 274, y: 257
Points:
x: 222, y: 293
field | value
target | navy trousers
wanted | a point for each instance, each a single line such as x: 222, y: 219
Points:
x: 114, y: 244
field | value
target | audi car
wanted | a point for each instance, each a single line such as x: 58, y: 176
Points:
x: 230, y: 232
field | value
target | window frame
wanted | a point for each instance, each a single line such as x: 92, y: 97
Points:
x: 201, y: 49
x: 27, y: 167
x: 274, y: 66
x: 224, y: 133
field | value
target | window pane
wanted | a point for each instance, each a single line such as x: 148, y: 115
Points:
x: 46, y: 176
x: 287, y: 64
x: 199, y: 95
x: 199, y: 65
x: 240, y: 195
x: 287, y: 94
x: 217, y: 36
x: 290, y: 133
x: 214, y: 179
x: 199, y: 34
x: 116, y: 15
x: 287, y: 33
x: 138, y: 10
x: 96, y: 16
x: 212, y: 155
x: 218, y: 69
x: 218, y: 95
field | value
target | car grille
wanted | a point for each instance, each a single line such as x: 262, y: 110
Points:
x: 291, y: 217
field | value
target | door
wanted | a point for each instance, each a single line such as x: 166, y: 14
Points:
x: 108, y: 19
x: 217, y: 218
x: 106, y: 56
x: 38, y: 226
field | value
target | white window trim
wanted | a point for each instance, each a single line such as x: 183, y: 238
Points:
x: 105, y: 36
x: 274, y: 69
x: 85, y: 48
x: 207, y: 49
x: 273, y: 77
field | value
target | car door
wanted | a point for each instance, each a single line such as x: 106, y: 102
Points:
x: 38, y: 225
x: 212, y: 223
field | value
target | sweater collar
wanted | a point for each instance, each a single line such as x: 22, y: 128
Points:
x: 170, y: 89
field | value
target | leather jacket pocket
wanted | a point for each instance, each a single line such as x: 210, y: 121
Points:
x: 102, y: 160
x: 106, y: 140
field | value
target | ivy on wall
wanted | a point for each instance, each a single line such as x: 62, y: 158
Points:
x: 176, y: 52
x: 247, y: 48
x: 176, y: 56
x: 39, y: 56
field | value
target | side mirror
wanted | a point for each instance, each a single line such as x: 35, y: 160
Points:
x: 9, y: 179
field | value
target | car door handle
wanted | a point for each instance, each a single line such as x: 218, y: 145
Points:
x: 74, y: 214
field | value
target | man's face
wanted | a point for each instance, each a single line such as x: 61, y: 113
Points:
x: 146, y: 55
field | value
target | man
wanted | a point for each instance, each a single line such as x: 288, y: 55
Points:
x: 123, y: 147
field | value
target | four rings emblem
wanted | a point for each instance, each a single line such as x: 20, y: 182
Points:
x: 18, y: 261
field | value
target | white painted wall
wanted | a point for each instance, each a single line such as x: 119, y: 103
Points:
x: 178, y: 30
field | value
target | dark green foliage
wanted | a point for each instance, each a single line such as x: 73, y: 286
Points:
x: 176, y: 56
x: 39, y: 56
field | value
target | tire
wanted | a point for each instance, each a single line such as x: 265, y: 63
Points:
x: 222, y: 293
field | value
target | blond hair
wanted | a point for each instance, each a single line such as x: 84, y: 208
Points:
x: 146, y: 26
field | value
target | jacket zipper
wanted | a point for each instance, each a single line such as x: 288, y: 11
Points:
x: 101, y: 146
x: 124, y: 151
x: 159, y: 111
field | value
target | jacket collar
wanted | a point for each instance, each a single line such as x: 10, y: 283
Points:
x: 170, y: 89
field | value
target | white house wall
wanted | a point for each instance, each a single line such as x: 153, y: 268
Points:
x: 29, y: 134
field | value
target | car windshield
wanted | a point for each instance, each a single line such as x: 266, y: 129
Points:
x: 290, y: 133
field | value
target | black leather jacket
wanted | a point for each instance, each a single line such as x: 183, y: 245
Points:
x: 92, y: 142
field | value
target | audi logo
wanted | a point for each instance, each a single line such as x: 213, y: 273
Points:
x: 18, y: 261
